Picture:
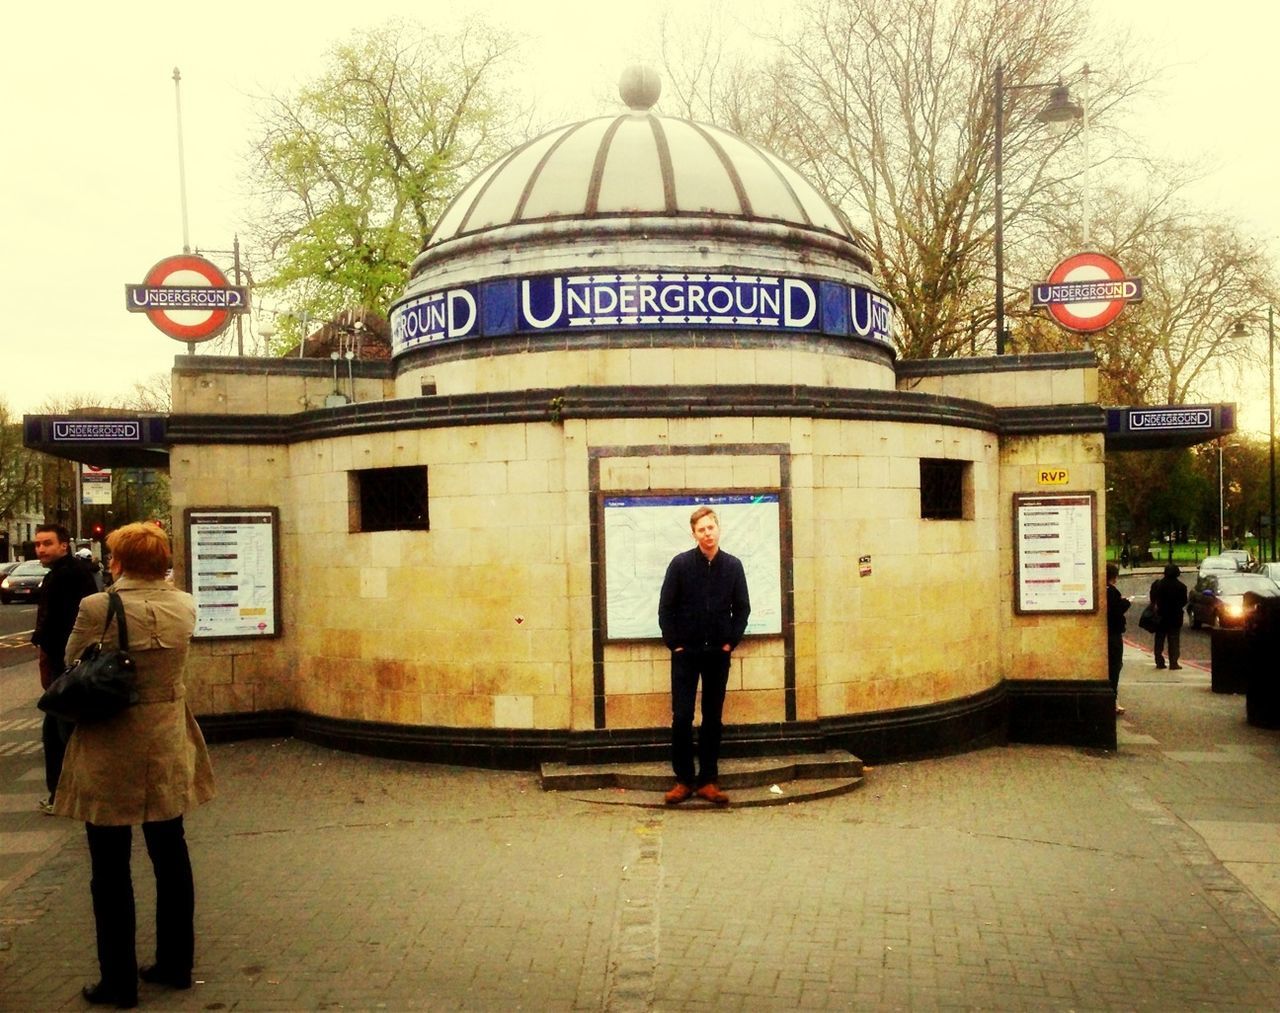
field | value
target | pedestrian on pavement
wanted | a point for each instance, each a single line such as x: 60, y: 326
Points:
x: 64, y: 586
x: 702, y: 612
x: 1169, y: 595
x: 94, y: 566
x: 146, y: 765
x: 1117, y: 606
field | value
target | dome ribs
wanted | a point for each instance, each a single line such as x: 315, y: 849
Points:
x: 664, y: 160
x: 744, y: 202
x: 536, y: 175
x: 770, y: 161
x: 466, y: 219
x: 597, y: 169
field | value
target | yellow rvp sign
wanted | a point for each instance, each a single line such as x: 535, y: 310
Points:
x: 1053, y: 476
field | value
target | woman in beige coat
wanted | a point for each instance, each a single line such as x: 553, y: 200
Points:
x: 147, y: 765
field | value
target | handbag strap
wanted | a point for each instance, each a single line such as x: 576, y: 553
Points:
x: 115, y: 608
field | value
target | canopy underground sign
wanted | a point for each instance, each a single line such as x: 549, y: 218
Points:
x: 187, y: 297
x: 1086, y: 292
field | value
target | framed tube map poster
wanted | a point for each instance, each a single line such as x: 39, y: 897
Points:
x: 643, y: 532
x: 233, y: 567
x: 1055, y: 552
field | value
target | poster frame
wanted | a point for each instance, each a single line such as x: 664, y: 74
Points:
x: 189, y: 555
x: 711, y: 495
x: 1022, y: 499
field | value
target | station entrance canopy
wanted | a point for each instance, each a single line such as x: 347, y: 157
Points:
x: 1161, y: 427
x: 130, y: 441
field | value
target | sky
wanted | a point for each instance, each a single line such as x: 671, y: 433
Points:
x: 90, y: 172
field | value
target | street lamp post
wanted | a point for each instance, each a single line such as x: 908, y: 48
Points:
x: 1221, y: 496
x: 1058, y: 110
x: 1240, y: 332
x: 1220, y: 504
x: 1271, y: 417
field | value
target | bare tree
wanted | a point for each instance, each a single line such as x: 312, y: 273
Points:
x: 1203, y: 278
x: 888, y: 105
x: 897, y: 107
x: 709, y: 80
x: 150, y: 394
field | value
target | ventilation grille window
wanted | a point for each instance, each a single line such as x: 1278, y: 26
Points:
x: 391, y: 499
x: 942, y: 489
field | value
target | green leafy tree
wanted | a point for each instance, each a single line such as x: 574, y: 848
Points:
x: 353, y: 169
x: 21, y: 471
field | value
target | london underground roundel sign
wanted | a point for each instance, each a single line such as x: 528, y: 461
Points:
x: 187, y: 297
x: 1086, y: 292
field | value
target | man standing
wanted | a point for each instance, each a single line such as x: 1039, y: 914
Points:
x: 1169, y: 595
x: 702, y: 611
x: 1117, y: 606
x: 67, y: 581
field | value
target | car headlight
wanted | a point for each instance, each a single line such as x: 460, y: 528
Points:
x: 5, y: 583
x: 1234, y: 609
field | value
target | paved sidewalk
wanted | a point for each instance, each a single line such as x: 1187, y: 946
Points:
x: 1034, y: 878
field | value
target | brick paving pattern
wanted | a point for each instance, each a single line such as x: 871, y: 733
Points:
x: 1017, y: 878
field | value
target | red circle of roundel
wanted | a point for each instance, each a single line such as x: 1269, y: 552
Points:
x: 218, y: 319
x: 1109, y: 312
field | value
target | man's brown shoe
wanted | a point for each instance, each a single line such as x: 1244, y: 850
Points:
x: 712, y: 794
x: 678, y: 794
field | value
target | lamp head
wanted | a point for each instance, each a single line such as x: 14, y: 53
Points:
x: 1060, y: 111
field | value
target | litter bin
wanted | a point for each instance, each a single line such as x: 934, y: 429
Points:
x: 1262, y: 645
x: 1228, y: 661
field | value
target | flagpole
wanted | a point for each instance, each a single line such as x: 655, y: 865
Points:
x: 182, y: 161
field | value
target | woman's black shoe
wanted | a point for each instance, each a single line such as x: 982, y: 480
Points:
x: 103, y: 994
x: 157, y: 975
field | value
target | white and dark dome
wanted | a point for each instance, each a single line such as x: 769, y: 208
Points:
x: 624, y: 227
x: 638, y: 165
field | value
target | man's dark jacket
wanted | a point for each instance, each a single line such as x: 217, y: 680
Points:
x: 1170, y: 597
x: 1117, y: 606
x: 703, y: 604
x: 67, y: 581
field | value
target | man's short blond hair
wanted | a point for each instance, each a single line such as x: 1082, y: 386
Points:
x: 700, y: 513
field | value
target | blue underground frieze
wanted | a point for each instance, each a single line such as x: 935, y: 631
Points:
x: 655, y: 299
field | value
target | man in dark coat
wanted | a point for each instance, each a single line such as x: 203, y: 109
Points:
x: 702, y: 611
x: 1117, y: 606
x: 1169, y: 595
x: 67, y: 582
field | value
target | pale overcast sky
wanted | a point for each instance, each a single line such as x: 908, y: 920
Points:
x: 90, y: 195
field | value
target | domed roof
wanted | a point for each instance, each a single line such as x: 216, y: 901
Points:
x: 638, y: 164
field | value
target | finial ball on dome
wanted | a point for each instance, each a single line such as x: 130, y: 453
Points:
x: 639, y: 87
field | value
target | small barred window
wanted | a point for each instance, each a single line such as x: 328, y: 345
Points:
x: 390, y: 499
x: 942, y: 489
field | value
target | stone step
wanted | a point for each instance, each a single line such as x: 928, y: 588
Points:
x: 754, y: 796
x: 736, y: 773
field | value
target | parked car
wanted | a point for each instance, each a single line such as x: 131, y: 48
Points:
x: 1243, y: 557
x: 22, y: 581
x: 6, y: 567
x: 1272, y: 570
x: 1220, y: 563
x: 1218, y: 597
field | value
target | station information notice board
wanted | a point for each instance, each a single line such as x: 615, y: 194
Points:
x: 643, y: 532
x: 1055, y: 552
x: 233, y: 566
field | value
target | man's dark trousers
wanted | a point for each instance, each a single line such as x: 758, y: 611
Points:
x: 712, y: 664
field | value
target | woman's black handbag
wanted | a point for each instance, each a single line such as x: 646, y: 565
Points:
x: 101, y: 683
x: 1150, y: 618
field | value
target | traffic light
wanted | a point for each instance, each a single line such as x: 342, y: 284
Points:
x: 97, y: 532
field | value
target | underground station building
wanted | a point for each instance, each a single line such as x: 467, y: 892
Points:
x: 455, y: 554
